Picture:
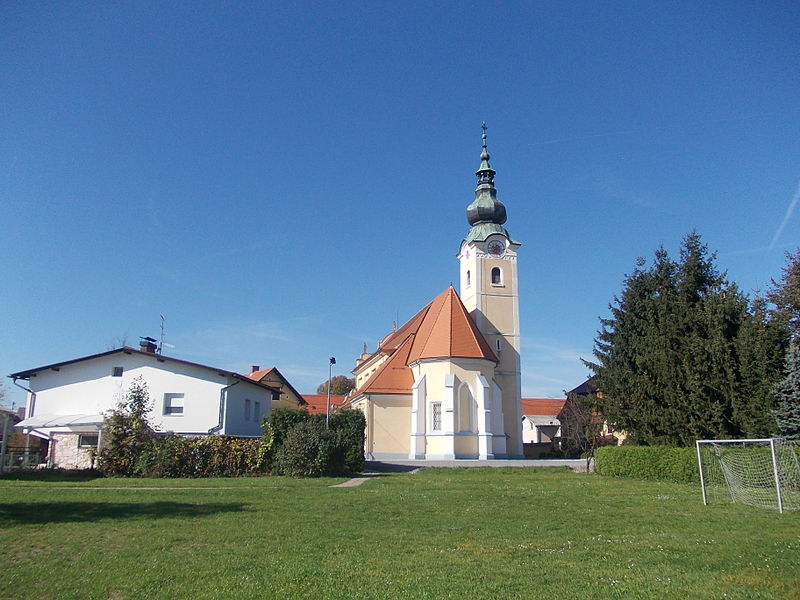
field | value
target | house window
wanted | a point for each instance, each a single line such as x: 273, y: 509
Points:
x: 88, y: 440
x: 247, y: 409
x: 498, y: 344
x: 436, y: 416
x: 469, y: 278
x: 256, y: 410
x: 173, y: 405
x: 116, y: 372
x: 497, y: 276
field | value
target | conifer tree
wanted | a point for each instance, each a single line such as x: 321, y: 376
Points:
x: 787, y: 394
x: 759, y: 349
x: 670, y: 359
x: 785, y: 294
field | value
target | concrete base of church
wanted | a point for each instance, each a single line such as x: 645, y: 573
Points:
x: 393, y: 456
x: 387, y: 456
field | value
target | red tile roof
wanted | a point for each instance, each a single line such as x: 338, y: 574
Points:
x: 257, y: 375
x: 550, y: 407
x: 443, y: 329
x: 317, y: 403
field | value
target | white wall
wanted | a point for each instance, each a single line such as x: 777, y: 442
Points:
x: 87, y: 387
x: 237, y: 418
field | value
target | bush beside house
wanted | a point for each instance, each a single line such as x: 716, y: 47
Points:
x: 294, y: 443
x: 303, y: 446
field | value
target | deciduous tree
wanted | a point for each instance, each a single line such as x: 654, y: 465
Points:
x: 340, y: 385
x: 127, y: 434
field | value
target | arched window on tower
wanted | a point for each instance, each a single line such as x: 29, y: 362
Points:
x: 497, y: 276
x: 469, y: 278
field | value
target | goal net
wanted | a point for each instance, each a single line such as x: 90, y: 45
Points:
x: 762, y: 472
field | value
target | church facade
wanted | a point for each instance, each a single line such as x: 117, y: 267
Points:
x: 447, y: 383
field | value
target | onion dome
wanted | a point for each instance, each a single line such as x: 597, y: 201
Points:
x: 486, y: 214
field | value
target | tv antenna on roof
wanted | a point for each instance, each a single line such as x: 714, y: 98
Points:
x: 161, y: 343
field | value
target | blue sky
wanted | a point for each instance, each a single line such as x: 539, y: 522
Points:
x: 282, y: 181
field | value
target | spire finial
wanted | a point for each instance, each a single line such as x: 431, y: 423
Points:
x: 485, y: 172
x: 486, y: 208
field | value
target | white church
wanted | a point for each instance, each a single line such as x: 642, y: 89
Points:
x: 446, y: 384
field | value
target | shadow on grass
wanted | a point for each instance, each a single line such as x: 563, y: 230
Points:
x: 64, y: 512
x: 52, y: 475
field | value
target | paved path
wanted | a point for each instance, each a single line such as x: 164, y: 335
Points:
x: 375, y: 467
x: 399, y: 465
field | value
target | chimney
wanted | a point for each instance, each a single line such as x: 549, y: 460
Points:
x: 255, y: 368
x: 147, y: 344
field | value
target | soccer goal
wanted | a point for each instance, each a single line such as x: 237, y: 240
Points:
x: 761, y: 472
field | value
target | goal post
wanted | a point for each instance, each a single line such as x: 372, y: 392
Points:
x: 761, y: 472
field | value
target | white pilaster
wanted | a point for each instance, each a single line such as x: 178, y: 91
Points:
x: 483, y: 398
x: 448, y: 416
x: 499, y: 439
x: 417, y: 441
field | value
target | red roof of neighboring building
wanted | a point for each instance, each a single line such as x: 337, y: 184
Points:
x: 443, y: 329
x: 318, y: 403
x: 257, y: 375
x: 550, y: 407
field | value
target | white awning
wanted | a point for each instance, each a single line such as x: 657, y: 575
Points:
x: 47, y: 421
x: 541, y: 420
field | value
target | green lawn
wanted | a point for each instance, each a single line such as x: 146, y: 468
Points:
x: 461, y: 533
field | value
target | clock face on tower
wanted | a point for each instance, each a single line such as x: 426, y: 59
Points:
x: 496, y: 248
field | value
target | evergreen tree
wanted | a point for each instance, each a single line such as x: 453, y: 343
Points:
x: 785, y: 295
x: 759, y: 349
x: 787, y: 394
x: 670, y: 362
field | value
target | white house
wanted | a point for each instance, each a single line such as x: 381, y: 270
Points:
x: 541, y: 425
x: 66, y: 400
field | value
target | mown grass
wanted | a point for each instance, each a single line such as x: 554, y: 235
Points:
x: 450, y: 533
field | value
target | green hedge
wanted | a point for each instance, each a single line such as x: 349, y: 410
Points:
x: 212, y: 456
x: 294, y: 443
x: 309, y: 448
x: 661, y: 463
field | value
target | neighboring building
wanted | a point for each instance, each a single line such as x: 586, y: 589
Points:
x: 317, y: 404
x: 609, y: 434
x: 447, y: 383
x: 541, y: 427
x: 286, y: 395
x: 67, y: 400
x: 18, y: 449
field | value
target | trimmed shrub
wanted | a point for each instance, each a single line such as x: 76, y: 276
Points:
x: 660, y: 463
x: 278, y: 423
x: 310, y: 449
x: 307, y: 450
x: 213, y: 456
x: 349, y: 427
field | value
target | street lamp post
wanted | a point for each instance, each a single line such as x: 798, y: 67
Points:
x: 331, y: 362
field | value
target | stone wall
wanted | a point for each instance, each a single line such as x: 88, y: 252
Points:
x: 66, y: 454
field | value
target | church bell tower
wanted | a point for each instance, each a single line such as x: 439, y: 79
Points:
x: 489, y: 291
